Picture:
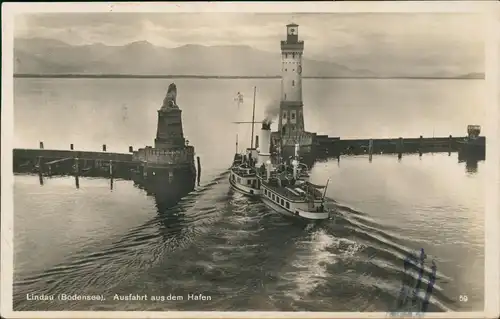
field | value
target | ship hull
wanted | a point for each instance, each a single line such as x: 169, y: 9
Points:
x: 291, y: 208
x: 301, y: 215
x: 242, y: 187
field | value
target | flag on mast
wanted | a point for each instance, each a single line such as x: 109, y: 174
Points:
x: 239, y: 98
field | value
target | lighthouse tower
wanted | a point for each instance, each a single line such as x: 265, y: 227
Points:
x: 291, y: 120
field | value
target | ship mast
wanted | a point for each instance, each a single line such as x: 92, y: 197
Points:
x: 253, y: 115
x: 324, y: 192
x: 238, y: 99
x: 236, y: 143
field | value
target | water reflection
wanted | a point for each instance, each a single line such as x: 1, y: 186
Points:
x: 471, y: 162
x: 171, y: 217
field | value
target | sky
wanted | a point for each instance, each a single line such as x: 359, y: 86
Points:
x: 362, y: 40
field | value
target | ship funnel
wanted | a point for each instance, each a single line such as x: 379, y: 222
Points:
x: 268, y: 169
x: 266, y: 125
x: 265, y: 143
x: 295, y: 165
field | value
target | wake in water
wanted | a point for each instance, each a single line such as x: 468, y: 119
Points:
x: 244, y: 256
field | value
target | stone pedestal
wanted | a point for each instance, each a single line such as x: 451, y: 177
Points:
x: 169, y: 133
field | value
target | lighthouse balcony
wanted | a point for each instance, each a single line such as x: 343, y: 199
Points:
x: 295, y: 46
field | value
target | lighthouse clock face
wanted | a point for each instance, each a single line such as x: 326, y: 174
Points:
x: 292, y: 31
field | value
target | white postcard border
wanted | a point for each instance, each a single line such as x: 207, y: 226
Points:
x: 491, y: 11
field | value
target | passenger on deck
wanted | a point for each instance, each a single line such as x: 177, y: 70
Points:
x: 262, y: 169
x: 285, y: 182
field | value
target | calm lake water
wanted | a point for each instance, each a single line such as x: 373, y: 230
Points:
x: 94, y: 240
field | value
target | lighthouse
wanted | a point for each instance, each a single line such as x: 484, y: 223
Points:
x: 291, y: 119
x: 291, y: 131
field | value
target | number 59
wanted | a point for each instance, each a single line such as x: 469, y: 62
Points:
x: 463, y: 298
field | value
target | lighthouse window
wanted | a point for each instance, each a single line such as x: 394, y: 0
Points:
x: 285, y: 70
x: 284, y: 115
x: 293, y: 55
x: 293, y: 116
x: 293, y: 82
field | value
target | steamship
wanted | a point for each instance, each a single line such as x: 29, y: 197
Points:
x: 243, y: 175
x: 284, y: 190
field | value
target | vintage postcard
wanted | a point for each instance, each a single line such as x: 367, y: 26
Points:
x: 300, y: 159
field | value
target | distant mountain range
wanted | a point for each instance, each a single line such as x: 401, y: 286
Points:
x: 48, y: 57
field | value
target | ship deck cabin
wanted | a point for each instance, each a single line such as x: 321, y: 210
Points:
x: 295, y: 190
x: 243, y: 172
x: 245, y: 176
x: 243, y: 167
x: 243, y: 159
x: 293, y: 197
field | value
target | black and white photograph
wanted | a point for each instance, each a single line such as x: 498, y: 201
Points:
x: 279, y: 158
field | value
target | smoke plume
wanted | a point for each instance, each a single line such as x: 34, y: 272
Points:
x: 271, y: 111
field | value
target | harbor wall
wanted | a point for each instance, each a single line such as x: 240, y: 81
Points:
x: 164, y: 157
x: 338, y: 146
x: 314, y: 146
x: 134, y: 166
x: 23, y: 153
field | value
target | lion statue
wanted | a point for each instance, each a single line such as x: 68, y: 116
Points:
x: 170, y: 99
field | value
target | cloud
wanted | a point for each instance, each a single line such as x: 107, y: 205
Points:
x: 355, y: 39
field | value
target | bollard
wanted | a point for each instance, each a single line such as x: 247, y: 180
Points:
x: 40, y: 169
x: 400, y: 147
x: 111, y: 174
x: 41, y: 145
x: 71, y: 146
x: 104, y: 147
x: 199, y: 170
x: 76, y: 167
x: 370, y: 150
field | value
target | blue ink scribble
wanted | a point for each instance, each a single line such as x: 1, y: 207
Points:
x: 409, y: 302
